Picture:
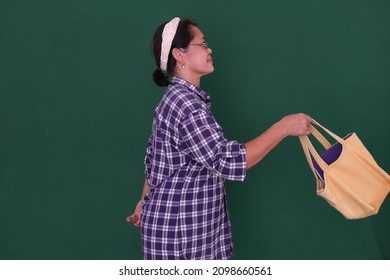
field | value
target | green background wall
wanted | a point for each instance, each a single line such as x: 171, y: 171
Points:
x: 77, y: 99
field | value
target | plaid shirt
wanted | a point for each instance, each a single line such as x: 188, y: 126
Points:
x: 185, y: 214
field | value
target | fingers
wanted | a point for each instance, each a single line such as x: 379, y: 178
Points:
x: 308, y: 121
x: 305, y: 129
x: 297, y: 124
x: 305, y: 119
x: 134, y: 219
x: 308, y: 118
x: 131, y: 219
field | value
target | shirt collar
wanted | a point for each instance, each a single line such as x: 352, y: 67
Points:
x: 200, y: 92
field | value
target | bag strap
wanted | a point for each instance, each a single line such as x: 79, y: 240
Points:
x: 325, y: 143
x: 302, y: 139
x: 334, y: 136
x: 309, y: 149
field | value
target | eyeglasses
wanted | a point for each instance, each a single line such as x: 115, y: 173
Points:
x: 205, y: 44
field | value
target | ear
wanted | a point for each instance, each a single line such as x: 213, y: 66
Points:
x: 177, y: 55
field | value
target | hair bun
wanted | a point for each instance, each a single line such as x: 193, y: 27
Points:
x: 159, y: 78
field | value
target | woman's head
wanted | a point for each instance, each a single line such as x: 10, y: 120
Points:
x: 188, y: 56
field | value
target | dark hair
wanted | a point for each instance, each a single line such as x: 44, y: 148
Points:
x: 182, y: 39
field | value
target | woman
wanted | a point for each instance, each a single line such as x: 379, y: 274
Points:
x: 184, y: 214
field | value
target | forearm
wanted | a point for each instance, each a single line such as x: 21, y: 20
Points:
x: 291, y: 125
x: 260, y: 146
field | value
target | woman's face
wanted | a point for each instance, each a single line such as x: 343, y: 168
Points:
x: 197, y: 57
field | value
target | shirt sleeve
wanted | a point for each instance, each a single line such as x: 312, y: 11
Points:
x: 202, y: 139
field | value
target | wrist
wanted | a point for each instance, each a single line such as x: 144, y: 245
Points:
x: 281, y: 129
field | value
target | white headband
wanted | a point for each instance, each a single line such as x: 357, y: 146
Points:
x: 167, y: 37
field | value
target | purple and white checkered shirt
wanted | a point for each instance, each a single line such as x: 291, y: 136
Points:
x: 185, y: 215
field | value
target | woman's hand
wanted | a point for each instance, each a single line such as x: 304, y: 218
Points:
x: 135, y: 217
x: 295, y: 125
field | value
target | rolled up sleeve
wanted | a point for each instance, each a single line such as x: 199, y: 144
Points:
x: 202, y: 139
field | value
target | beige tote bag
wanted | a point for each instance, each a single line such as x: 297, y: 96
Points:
x: 347, y: 175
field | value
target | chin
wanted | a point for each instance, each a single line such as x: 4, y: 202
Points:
x: 207, y: 71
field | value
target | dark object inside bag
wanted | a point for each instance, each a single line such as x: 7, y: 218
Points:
x: 329, y: 156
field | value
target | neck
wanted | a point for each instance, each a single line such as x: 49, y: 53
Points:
x: 189, y: 78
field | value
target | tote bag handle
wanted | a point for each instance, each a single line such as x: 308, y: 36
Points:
x: 333, y: 135
x: 325, y: 143
x: 309, y: 149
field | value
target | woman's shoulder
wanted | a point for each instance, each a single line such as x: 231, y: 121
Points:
x: 183, y: 99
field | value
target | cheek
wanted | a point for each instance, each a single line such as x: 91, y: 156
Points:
x: 203, y: 58
x: 200, y: 60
